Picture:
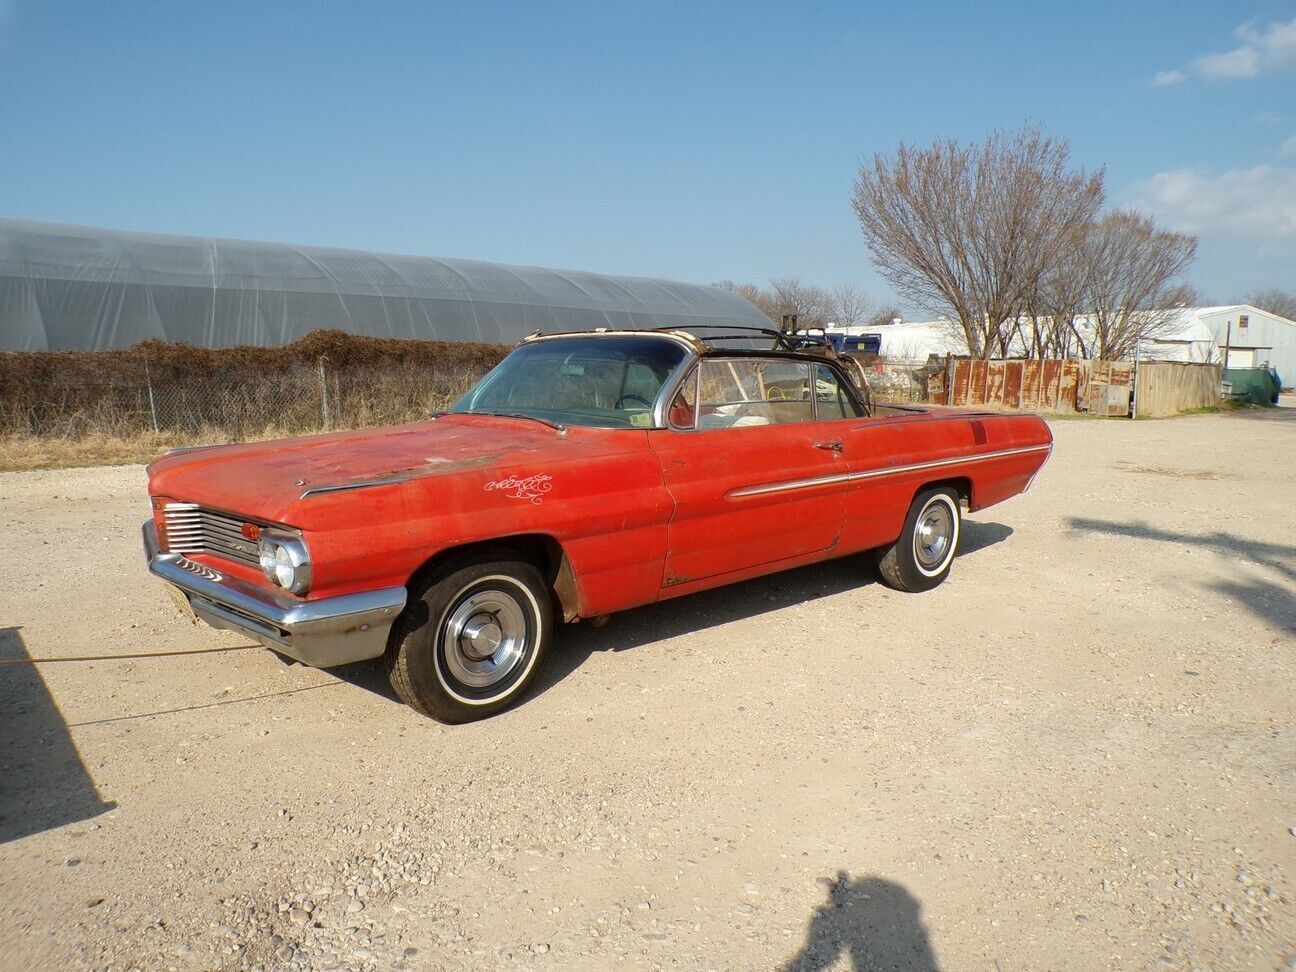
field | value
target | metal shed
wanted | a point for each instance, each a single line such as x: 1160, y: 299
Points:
x: 80, y: 288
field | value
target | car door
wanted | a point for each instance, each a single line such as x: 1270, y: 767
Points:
x: 873, y: 505
x: 754, y: 478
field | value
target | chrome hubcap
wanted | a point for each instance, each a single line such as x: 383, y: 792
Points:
x: 485, y: 638
x: 932, y: 535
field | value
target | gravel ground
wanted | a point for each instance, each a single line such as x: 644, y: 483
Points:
x: 1079, y: 753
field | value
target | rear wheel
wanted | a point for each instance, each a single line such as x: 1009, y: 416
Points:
x: 920, y: 559
x: 472, y: 638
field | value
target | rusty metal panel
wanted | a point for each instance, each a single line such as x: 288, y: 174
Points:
x: 1095, y: 400
x: 1082, y: 375
x: 1033, y: 384
x: 1120, y: 378
x: 1068, y: 375
x: 959, y: 391
x: 936, y: 387
x: 1063, y: 385
x: 1108, y: 388
x: 1050, y: 384
x: 994, y: 383
x: 976, y: 384
x: 1013, y: 380
x: 1096, y: 389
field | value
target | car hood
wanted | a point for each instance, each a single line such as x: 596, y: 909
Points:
x: 267, y: 479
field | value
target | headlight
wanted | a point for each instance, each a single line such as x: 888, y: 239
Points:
x: 285, y: 560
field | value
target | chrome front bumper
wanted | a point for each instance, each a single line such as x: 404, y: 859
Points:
x: 330, y: 631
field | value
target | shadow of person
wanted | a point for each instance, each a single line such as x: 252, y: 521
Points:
x: 877, y: 923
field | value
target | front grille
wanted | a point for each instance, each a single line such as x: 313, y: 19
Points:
x: 192, y: 529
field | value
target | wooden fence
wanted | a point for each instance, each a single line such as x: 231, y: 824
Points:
x: 1169, y: 387
x: 1104, y: 388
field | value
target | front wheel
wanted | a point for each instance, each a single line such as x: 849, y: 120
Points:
x: 920, y: 559
x: 472, y: 638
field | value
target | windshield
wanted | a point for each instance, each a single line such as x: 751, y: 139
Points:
x: 605, y: 382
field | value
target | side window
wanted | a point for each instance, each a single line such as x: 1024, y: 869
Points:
x: 737, y: 392
x: 833, y: 400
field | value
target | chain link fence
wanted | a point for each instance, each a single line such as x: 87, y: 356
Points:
x: 293, y: 400
x: 178, y: 393
x: 899, y: 384
x: 188, y: 394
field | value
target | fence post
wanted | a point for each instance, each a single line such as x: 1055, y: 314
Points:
x: 1134, y: 381
x: 148, y: 381
x: 324, y: 393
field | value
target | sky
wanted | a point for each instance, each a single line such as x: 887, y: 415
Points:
x: 699, y: 141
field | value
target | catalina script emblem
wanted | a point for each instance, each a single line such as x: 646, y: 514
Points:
x: 530, y: 488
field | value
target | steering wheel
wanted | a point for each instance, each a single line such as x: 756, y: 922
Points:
x: 637, y: 398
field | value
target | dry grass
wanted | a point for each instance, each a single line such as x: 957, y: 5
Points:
x: 19, y: 452
x: 22, y: 452
x: 62, y: 409
x: 124, y: 392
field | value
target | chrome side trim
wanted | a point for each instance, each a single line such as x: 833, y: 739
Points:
x: 688, y: 341
x: 362, y: 484
x: 788, y: 486
x: 670, y: 388
x: 878, y: 473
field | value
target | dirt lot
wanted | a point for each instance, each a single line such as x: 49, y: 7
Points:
x: 1080, y: 753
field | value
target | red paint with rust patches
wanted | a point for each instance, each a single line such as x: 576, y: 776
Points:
x: 640, y: 515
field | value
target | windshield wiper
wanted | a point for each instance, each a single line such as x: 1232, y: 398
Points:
x: 518, y: 415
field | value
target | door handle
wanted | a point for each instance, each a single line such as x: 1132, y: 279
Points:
x: 831, y: 446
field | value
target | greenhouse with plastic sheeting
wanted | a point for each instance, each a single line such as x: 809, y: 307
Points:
x: 78, y: 288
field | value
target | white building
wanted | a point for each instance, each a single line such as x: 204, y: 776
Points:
x: 1254, y: 337
x: 1196, y: 334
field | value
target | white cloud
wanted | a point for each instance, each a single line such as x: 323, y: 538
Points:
x: 1259, y: 203
x: 1244, y: 62
x: 1262, y: 51
x: 1288, y: 147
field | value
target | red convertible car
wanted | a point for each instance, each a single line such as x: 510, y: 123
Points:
x: 587, y: 473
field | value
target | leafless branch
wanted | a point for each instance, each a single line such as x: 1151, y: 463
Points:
x: 969, y: 231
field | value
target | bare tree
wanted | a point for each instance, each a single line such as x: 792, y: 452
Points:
x: 968, y: 231
x: 1047, y: 326
x: 848, y: 305
x: 1182, y: 295
x: 1128, y: 269
x: 887, y: 314
x: 812, y: 305
x: 1280, y: 302
x: 753, y: 294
